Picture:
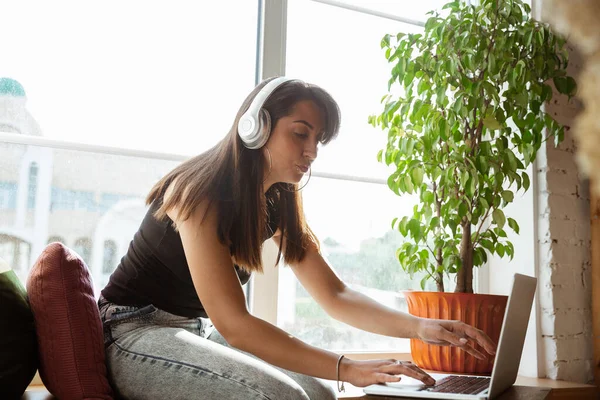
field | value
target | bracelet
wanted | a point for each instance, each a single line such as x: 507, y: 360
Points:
x: 337, y: 374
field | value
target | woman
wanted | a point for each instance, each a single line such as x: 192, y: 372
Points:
x: 198, y: 244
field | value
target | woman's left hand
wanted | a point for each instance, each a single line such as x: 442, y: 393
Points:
x: 454, y: 333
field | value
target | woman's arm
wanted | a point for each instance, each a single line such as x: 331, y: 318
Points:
x: 354, y: 308
x: 219, y: 289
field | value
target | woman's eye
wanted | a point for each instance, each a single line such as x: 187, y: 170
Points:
x: 301, y: 135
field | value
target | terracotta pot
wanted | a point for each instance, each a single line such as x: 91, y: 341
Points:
x: 484, y: 311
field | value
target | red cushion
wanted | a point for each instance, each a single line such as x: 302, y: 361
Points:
x: 68, y: 326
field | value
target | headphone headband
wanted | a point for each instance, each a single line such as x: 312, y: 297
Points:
x: 251, y: 130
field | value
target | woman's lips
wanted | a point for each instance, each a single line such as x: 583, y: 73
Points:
x: 303, y: 168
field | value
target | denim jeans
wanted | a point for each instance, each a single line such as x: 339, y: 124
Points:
x: 152, y: 354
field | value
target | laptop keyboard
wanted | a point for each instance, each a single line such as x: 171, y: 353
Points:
x: 459, y: 385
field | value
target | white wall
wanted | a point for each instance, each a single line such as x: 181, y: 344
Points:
x: 554, y: 246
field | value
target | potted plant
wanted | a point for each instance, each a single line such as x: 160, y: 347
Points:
x: 464, y: 121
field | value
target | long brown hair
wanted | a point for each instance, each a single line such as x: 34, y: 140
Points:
x: 231, y: 176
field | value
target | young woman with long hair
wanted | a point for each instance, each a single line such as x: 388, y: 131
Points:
x: 174, y: 312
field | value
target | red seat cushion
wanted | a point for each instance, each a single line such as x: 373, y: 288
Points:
x: 69, y: 330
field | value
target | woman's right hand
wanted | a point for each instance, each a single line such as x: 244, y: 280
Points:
x: 369, y: 372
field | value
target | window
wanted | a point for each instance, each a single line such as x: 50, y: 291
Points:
x: 83, y: 247
x: 110, y: 256
x: 353, y: 225
x: 32, y: 185
x: 67, y: 199
x: 107, y: 200
x: 172, y: 83
x: 162, y: 78
x: 17, y: 253
x: 8, y: 195
x: 74, y: 216
x: 58, y: 239
x: 355, y: 74
x: 350, y: 210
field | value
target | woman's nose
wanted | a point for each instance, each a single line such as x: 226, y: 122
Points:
x: 311, y: 151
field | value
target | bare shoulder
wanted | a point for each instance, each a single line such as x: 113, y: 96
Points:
x: 204, y: 213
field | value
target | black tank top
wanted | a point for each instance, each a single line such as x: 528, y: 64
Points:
x: 155, y: 270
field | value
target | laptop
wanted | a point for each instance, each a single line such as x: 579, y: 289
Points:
x: 506, y: 364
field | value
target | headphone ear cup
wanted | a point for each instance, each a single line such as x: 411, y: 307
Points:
x: 264, y: 126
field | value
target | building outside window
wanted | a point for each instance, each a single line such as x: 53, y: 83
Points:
x: 110, y: 257
x: 32, y: 185
x: 83, y: 247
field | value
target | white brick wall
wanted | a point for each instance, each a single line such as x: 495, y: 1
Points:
x: 564, y: 252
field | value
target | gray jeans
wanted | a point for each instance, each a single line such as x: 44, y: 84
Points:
x: 152, y: 354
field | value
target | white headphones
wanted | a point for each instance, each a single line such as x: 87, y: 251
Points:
x: 254, y: 127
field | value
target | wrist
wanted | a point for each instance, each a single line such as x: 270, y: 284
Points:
x: 345, y: 369
x: 417, y: 327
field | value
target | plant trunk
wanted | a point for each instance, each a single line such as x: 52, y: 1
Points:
x: 464, y: 276
x: 439, y: 281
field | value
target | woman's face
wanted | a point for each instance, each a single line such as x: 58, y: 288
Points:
x: 293, y: 144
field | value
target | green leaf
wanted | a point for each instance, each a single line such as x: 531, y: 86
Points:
x: 486, y: 243
x: 464, y: 177
x: 492, y: 64
x: 508, y: 196
x: 491, y: 123
x: 525, y: 181
x: 441, y: 95
x: 484, y: 203
x: 561, y: 84
x: 452, y: 5
x: 499, y: 218
x: 414, y: 227
x: 477, y: 258
x: 546, y: 93
x: 448, y: 261
x: 403, y: 226
x: 500, y: 249
x: 453, y: 226
x: 535, y: 106
x: 408, y: 184
x: 385, y: 41
x: 528, y: 38
x: 462, y: 210
x: 571, y: 86
x: 520, y: 72
x: 428, y: 197
x: 417, y: 176
x: 513, y: 225
x: 540, y: 37
x: 428, y: 213
x: 408, y: 78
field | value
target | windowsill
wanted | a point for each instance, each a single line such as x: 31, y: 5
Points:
x: 558, y: 389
